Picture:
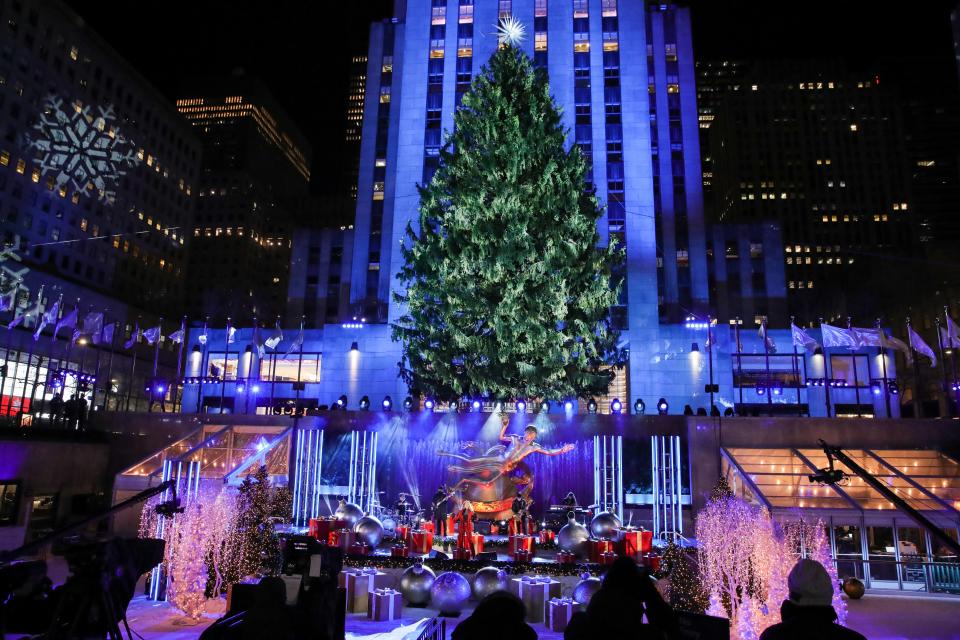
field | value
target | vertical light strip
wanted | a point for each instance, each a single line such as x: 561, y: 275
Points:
x: 372, y: 483
x: 167, y: 468
x: 316, y: 477
x: 620, y: 477
x: 296, y: 479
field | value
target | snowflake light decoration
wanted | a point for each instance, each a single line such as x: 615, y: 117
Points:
x: 511, y: 31
x: 82, y: 148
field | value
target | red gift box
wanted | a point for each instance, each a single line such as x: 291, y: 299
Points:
x: 522, y: 555
x: 519, y: 543
x: 462, y: 554
x: 427, y: 526
x: 478, y: 542
x: 547, y: 535
x: 566, y: 557
x: 359, y: 549
x: 320, y: 528
x: 421, y: 541
x: 494, y: 529
x: 635, y: 542
x: 598, y: 547
x: 403, y: 532
x: 399, y: 551
x: 649, y: 560
x: 450, y: 528
x: 607, y: 557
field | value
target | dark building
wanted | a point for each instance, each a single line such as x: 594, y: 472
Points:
x: 356, y: 93
x: 821, y: 152
x: 747, y: 278
x: 319, y: 290
x: 255, y: 179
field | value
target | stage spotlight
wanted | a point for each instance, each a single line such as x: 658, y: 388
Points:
x: 365, y: 403
x: 662, y: 406
x: 342, y: 402
x: 476, y: 404
x: 694, y: 348
x: 544, y: 407
x: 591, y: 406
x: 777, y: 390
x: 408, y: 403
x: 521, y: 406
x: 255, y: 388
x: 568, y: 405
x: 240, y: 388
x: 875, y: 388
x: 354, y: 346
x: 616, y: 406
x: 639, y: 408
x: 387, y: 403
x: 893, y: 387
x: 761, y: 390
x: 428, y: 404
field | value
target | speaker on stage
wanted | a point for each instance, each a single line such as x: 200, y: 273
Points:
x: 487, y: 556
x: 438, y: 555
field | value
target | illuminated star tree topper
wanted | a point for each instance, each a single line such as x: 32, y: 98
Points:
x: 511, y: 31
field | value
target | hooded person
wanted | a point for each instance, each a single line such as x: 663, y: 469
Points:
x: 500, y: 615
x: 809, y: 613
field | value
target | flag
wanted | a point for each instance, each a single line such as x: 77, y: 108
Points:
x: 7, y: 299
x: 93, y: 325
x: 802, y: 339
x: 256, y: 341
x: 837, y: 337
x: 152, y: 335
x: 69, y: 321
x: 133, y: 337
x: 50, y: 317
x: 920, y: 346
x: 878, y: 338
x: 26, y: 314
x: 952, y: 336
x: 77, y: 333
x: 296, y: 344
x: 108, y: 332
x: 275, y: 338
x: 768, y: 344
x: 231, y: 332
x: 176, y: 337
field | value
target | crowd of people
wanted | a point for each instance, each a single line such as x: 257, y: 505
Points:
x: 628, y: 605
x: 70, y: 414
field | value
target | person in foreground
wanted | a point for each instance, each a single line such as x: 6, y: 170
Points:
x: 618, y: 608
x: 809, y: 611
x: 501, y: 614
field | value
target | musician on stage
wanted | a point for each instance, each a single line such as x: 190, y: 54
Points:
x: 465, y: 517
x: 570, y: 500
x: 402, y: 506
x: 440, y: 511
x: 519, y: 523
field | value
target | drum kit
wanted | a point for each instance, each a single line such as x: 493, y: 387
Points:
x: 401, y: 513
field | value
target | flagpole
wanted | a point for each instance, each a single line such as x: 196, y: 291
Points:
x: 766, y: 358
x: 50, y: 364
x: 256, y: 349
x: 226, y: 360
x: 796, y: 368
x: 883, y: 365
x: 273, y: 369
x: 178, y: 381
x: 133, y: 365
x: 856, y: 377
x: 916, y: 372
x: 69, y: 349
x: 826, y: 371
x: 108, y: 389
x: 6, y: 352
x: 943, y: 373
x: 953, y: 363
x: 96, y: 366
x: 26, y: 377
x: 204, y: 366
x: 736, y: 330
x: 296, y: 406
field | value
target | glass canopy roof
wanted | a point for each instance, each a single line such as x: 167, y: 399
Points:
x: 926, y: 480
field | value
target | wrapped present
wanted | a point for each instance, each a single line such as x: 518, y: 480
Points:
x: 517, y: 543
x: 536, y: 592
x: 384, y: 604
x: 649, y: 560
x: 547, y: 535
x: 403, y: 532
x: 494, y: 529
x: 358, y: 584
x: 345, y: 539
x: 522, y: 555
x: 421, y: 541
x: 450, y: 525
x: 607, y: 557
x: 320, y: 528
x: 566, y: 557
x: 427, y: 526
x: 462, y: 554
x: 359, y: 549
x: 399, y: 551
x: 598, y: 547
x: 478, y: 542
x: 634, y: 542
x: 557, y: 614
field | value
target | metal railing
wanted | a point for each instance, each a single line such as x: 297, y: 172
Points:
x: 436, y: 629
x: 906, y: 575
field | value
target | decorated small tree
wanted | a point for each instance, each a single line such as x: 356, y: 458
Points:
x: 685, y: 591
x: 507, y: 291
x: 259, y: 507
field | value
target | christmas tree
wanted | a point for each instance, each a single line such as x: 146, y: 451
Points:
x: 686, y: 590
x: 260, y: 506
x: 507, y: 292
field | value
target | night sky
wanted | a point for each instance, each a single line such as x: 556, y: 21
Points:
x: 302, y: 49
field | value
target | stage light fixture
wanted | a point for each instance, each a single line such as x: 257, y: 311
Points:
x: 342, y: 401
x: 428, y: 405
x: 761, y: 390
x: 639, y: 407
x: 875, y: 388
x: 893, y: 387
x: 521, y: 406
x: 354, y: 346
x: 240, y: 388
x: 568, y: 405
x: 662, y: 406
x: 365, y: 403
x: 616, y: 406
x: 408, y: 403
x: 777, y: 390
x: 591, y: 406
x: 476, y: 404
x: 544, y: 407
x: 387, y: 403
x: 255, y: 388
x: 694, y: 348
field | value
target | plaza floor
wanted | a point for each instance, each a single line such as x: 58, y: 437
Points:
x: 877, y: 616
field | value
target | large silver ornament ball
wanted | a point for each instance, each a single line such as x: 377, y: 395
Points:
x: 489, y: 580
x: 349, y: 512
x: 449, y: 593
x: 369, y: 530
x: 415, y: 584
x: 573, y: 537
x: 605, y: 525
x: 585, y: 589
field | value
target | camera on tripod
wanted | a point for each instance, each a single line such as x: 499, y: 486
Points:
x: 169, y: 508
